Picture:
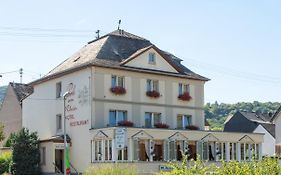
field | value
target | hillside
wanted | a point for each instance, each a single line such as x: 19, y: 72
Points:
x: 216, y: 113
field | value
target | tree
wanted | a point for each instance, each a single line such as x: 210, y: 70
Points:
x: 10, y: 140
x: 2, y: 136
x: 26, y: 154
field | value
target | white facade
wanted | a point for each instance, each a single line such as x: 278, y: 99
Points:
x: 268, y: 145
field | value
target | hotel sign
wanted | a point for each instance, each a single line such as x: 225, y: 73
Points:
x: 121, y: 138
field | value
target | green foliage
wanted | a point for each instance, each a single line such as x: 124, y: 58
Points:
x: 9, y: 141
x: 216, y: 113
x: 267, y: 166
x: 2, y: 136
x: 26, y: 155
x: 116, y: 169
x: 5, y: 162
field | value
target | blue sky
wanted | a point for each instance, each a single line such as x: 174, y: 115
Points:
x: 237, y: 44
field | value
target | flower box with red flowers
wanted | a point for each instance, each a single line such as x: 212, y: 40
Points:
x: 192, y: 127
x: 161, y: 125
x: 118, y: 90
x: 153, y: 94
x: 185, y: 97
x: 126, y: 123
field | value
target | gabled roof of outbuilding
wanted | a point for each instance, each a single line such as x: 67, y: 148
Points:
x: 112, y: 50
x: 21, y: 90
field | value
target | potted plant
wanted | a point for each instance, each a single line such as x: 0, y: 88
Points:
x: 118, y: 90
x: 185, y: 97
x: 161, y: 125
x: 126, y: 123
x: 192, y: 127
x: 153, y: 94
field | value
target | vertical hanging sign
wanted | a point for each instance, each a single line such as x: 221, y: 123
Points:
x: 121, y: 138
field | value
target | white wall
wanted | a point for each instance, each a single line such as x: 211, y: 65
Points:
x: 278, y: 129
x: 268, y: 145
x: 40, y: 110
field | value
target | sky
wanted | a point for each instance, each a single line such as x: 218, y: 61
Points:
x: 235, y: 43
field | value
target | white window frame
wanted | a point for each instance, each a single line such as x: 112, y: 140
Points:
x: 117, y: 115
x: 100, y: 145
x: 58, y: 89
x: 59, y: 123
x: 151, y: 58
x: 152, y: 118
x: 152, y: 85
x: 183, y: 88
x: 182, y: 120
x: 117, y: 82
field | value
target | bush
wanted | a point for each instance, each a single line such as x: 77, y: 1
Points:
x: 26, y: 155
x: 268, y: 166
x: 116, y: 169
x: 9, y: 141
x: 5, y: 162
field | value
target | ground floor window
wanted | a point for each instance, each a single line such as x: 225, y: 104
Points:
x: 101, y: 150
x: 122, y: 154
x: 148, y: 150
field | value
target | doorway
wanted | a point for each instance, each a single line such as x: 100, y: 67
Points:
x: 59, y: 161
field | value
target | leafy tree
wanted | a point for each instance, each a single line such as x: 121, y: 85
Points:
x: 26, y: 155
x: 2, y: 136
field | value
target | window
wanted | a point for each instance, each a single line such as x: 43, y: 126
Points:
x: 117, y: 81
x: 58, y: 90
x: 43, y: 156
x: 152, y: 85
x: 116, y: 116
x: 59, y: 122
x: 183, y: 88
x: 151, y: 58
x: 151, y: 119
x: 183, y: 121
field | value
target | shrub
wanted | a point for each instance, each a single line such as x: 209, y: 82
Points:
x: 26, y: 155
x: 5, y: 162
x: 153, y: 94
x: 115, y: 169
x: 267, y: 166
x: 185, y: 96
x: 9, y: 140
x: 161, y: 125
x: 118, y: 90
x: 126, y: 123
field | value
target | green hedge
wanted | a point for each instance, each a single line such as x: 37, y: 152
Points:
x: 5, y: 162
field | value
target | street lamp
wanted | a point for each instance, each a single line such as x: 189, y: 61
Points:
x: 64, y: 128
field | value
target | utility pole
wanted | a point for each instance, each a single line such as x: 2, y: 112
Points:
x: 98, y: 34
x: 21, y: 72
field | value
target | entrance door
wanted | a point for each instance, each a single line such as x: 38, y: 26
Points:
x: 59, y: 161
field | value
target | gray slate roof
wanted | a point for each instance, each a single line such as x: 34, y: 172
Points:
x: 260, y: 118
x: 112, y: 49
x: 21, y: 90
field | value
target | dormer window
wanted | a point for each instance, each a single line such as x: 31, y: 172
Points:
x: 151, y: 58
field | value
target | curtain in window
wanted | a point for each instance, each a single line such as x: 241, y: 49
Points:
x: 147, y: 149
x: 120, y: 81
x: 121, y: 116
x: 113, y: 81
x: 148, y: 120
x: 180, y: 89
x: 148, y: 85
x: 157, y: 118
x: 155, y: 86
x: 112, y: 118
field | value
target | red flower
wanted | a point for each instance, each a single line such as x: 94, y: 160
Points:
x: 126, y: 123
x: 118, y: 90
x: 192, y: 127
x: 153, y: 94
x: 185, y: 97
x: 161, y: 125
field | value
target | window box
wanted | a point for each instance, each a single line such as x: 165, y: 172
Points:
x: 118, y: 90
x: 153, y: 94
x: 185, y: 97
x: 126, y: 123
x: 192, y: 127
x: 161, y: 125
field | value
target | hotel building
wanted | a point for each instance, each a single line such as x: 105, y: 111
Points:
x: 128, y: 102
